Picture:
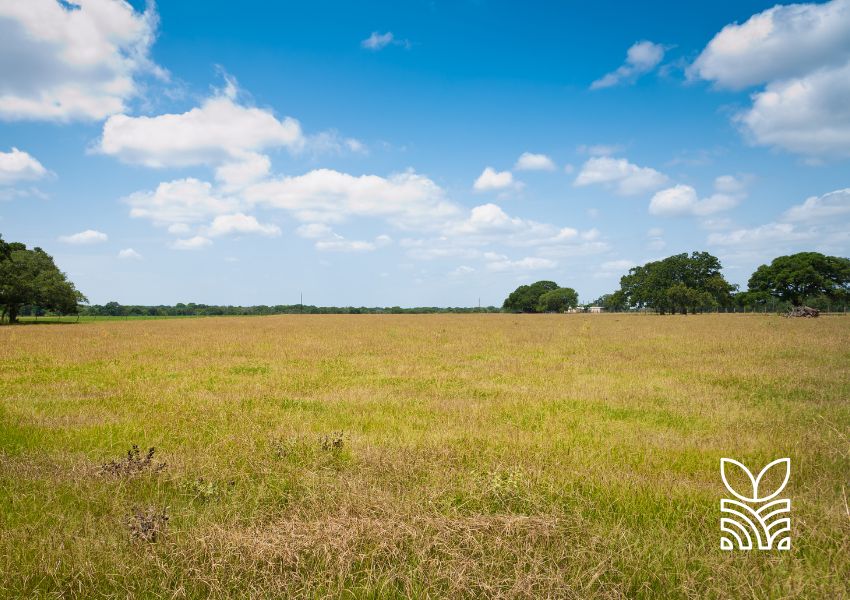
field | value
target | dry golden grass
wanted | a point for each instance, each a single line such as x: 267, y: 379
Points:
x: 426, y: 455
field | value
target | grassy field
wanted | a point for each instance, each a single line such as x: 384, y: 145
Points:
x: 430, y: 456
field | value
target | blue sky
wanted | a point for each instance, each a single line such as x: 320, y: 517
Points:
x: 416, y: 153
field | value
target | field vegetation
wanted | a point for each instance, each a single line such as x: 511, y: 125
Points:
x: 513, y: 456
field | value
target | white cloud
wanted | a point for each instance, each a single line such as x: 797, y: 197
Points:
x: 219, y: 132
x: 626, y: 178
x: 801, y: 53
x: 407, y: 200
x: 600, y: 149
x: 377, y: 41
x: 327, y: 240
x: 779, y: 43
x: 461, y: 271
x: 819, y: 223
x: 681, y: 200
x: 184, y: 201
x: 534, y: 162
x: 194, y: 243
x: 18, y: 166
x: 248, y: 168
x: 89, y: 236
x: 240, y: 223
x: 808, y: 115
x: 729, y: 184
x: 491, y: 180
x: 79, y: 62
x: 129, y: 254
x: 488, y: 226
x: 641, y: 58
x: 820, y: 208
x: 757, y: 236
x: 331, y: 142
x: 529, y: 263
x: 341, y: 244
x: 314, y: 231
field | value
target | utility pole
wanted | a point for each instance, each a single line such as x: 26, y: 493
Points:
x: 301, y: 305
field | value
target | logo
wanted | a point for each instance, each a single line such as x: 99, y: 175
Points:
x: 756, y: 520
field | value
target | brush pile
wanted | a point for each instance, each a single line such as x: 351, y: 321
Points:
x: 803, y: 311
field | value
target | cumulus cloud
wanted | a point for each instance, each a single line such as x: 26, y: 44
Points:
x: 63, y: 61
x: 492, y: 180
x: 181, y: 202
x: 621, y: 175
x: 641, y: 58
x: 327, y: 240
x: 528, y: 161
x: 407, y: 200
x: 246, y: 168
x: 194, y: 243
x: 808, y: 115
x: 89, y: 236
x: 219, y: 132
x: 682, y: 200
x: 763, y: 234
x: 801, y: 54
x: 529, y: 263
x: 779, y: 43
x: 16, y: 166
x: 831, y: 206
x: 129, y: 254
x: 240, y: 223
x: 819, y: 222
x: 488, y: 226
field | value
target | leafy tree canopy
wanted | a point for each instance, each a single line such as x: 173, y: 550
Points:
x: 526, y: 298
x: 795, y: 277
x: 557, y: 300
x: 678, y: 283
x: 30, y: 277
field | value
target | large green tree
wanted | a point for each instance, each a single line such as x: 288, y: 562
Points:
x: 795, y: 277
x: 30, y: 277
x: 678, y: 283
x: 558, y: 300
x: 526, y: 298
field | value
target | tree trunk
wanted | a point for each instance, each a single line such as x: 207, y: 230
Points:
x: 13, y: 314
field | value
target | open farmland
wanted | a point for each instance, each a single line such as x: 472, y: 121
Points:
x: 427, y: 456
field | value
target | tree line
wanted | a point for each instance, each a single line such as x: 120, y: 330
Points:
x: 32, y: 285
x: 191, y: 309
x: 692, y: 283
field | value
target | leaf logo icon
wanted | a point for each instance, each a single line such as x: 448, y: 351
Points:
x: 728, y: 465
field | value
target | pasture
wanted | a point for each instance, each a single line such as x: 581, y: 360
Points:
x: 386, y: 456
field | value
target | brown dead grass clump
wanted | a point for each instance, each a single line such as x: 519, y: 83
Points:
x: 133, y: 463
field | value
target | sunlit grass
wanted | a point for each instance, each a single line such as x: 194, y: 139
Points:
x: 428, y: 455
